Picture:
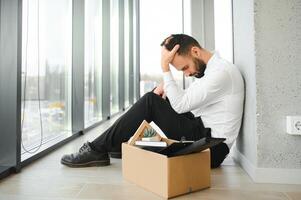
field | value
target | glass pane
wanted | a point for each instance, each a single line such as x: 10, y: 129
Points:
x: 114, y: 40
x: 93, y: 62
x: 223, y: 28
x: 157, y: 23
x: 46, y: 73
x: 126, y: 53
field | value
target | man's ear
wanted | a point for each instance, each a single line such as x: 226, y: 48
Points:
x: 195, y: 51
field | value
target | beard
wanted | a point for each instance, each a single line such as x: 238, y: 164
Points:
x: 200, y: 68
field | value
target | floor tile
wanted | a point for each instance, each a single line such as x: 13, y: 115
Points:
x: 294, y: 195
x: 213, y: 194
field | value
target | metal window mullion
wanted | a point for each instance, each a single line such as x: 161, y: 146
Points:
x: 78, y: 63
x: 121, y: 56
x: 232, y: 24
x: 131, y: 55
x: 0, y: 26
x: 209, y: 24
x: 19, y: 86
x: 183, y: 31
x: 10, y: 83
x: 106, y: 110
x: 137, y: 52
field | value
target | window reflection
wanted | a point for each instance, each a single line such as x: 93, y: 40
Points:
x: 93, y: 62
x: 46, y: 72
x: 114, y: 42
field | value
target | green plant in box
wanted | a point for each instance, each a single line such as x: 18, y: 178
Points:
x: 149, y: 132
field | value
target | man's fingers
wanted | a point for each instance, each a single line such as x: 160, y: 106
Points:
x: 175, y: 49
x: 163, y: 49
x: 167, y: 40
x: 167, y: 57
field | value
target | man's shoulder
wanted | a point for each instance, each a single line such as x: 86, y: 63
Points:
x: 222, y: 66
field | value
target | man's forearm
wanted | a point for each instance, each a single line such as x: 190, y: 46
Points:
x: 165, y: 67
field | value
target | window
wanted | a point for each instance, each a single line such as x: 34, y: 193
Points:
x: 46, y: 73
x: 157, y: 23
x: 49, y: 79
x: 93, y: 62
x: 223, y: 28
x: 114, y: 40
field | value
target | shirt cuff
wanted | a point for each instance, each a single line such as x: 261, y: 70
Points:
x: 167, y: 77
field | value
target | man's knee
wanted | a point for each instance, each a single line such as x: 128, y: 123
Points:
x: 150, y: 95
x: 151, y: 99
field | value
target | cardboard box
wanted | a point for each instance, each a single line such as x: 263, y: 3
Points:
x: 167, y: 177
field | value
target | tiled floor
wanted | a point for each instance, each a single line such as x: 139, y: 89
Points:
x: 47, y: 179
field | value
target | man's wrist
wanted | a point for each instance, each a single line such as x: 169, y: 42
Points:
x: 165, y: 68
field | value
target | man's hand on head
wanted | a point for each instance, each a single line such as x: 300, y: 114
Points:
x: 167, y: 57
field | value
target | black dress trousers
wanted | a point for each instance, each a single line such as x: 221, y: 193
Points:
x: 151, y: 107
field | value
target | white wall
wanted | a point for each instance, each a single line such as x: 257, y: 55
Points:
x: 267, y: 48
x: 244, y: 58
x: 278, y: 71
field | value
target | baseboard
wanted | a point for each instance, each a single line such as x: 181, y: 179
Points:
x: 244, y: 163
x: 267, y: 175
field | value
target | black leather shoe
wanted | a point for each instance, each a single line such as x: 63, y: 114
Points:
x: 116, y: 154
x: 86, y: 157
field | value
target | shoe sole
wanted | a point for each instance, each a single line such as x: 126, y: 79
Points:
x: 117, y: 155
x: 88, y: 164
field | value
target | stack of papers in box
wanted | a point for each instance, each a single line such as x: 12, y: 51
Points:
x: 151, y: 143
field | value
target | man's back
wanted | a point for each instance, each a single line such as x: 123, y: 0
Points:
x: 223, y: 106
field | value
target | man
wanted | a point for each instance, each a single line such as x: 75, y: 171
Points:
x: 211, y: 106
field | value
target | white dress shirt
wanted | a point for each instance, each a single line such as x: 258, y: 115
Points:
x: 217, y: 98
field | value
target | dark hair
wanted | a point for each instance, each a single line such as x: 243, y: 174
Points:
x: 185, y: 42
